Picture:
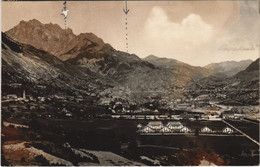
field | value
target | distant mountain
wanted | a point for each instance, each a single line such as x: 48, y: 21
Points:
x: 96, y: 62
x: 91, y: 56
x: 86, y: 50
x: 48, y: 55
x: 182, y: 73
x: 53, y: 39
x: 241, y: 88
x: 161, y: 62
x: 229, y: 68
x: 248, y: 78
x: 244, y: 86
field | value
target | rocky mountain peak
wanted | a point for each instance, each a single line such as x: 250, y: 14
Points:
x: 91, y: 37
x: 151, y: 57
x: 31, y: 22
x: 62, y: 43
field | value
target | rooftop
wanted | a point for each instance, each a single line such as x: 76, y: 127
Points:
x: 174, y: 123
x: 228, y: 112
x: 155, y: 123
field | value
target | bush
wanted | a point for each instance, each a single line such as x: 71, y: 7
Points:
x: 42, y: 160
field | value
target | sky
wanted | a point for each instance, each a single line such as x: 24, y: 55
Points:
x: 194, y: 32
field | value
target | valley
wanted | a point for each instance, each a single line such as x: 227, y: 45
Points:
x: 75, y: 100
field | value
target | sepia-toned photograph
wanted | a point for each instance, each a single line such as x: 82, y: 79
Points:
x: 130, y: 83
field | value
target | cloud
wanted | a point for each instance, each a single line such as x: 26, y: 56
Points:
x: 192, y: 30
x: 194, y: 41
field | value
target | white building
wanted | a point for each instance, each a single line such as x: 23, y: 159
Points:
x: 174, y: 125
x: 184, y: 129
x: 206, y: 130
x: 227, y: 130
x: 139, y: 126
x: 11, y: 96
x: 176, y: 117
x: 153, y: 126
x: 156, y: 125
x: 147, y: 130
x: 165, y: 129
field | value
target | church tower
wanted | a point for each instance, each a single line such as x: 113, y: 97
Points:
x: 24, y: 97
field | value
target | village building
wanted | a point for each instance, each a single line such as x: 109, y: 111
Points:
x: 29, y: 97
x: 116, y: 116
x: 156, y: 111
x: 163, y: 117
x: 140, y: 116
x: 139, y: 126
x: 250, y: 153
x: 156, y: 125
x: 42, y: 99
x: 174, y: 125
x: 165, y: 129
x: 238, y: 116
x: 176, y: 117
x: 206, y: 130
x: 147, y: 129
x: 202, y: 97
x: 15, y: 85
x: 150, y: 117
x: 183, y: 106
x: 41, y: 86
x: 69, y: 114
x: 213, y: 116
x: 228, y: 115
x: 11, y: 96
x: 184, y: 129
x: 227, y: 130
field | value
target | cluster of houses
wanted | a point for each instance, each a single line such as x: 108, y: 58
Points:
x: 176, y: 127
x: 226, y: 130
x: 158, y: 127
x: 14, y: 97
x: 211, y: 116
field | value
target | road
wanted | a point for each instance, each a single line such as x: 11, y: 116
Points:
x: 155, y: 146
x: 251, y: 121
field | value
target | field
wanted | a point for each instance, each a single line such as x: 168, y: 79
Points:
x: 251, y: 129
x: 121, y: 138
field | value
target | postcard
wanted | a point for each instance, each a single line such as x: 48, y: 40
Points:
x: 130, y: 83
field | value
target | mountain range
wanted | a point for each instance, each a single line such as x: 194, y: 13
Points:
x: 46, y: 54
x: 229, y: 68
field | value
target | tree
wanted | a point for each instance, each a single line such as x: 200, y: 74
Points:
x: 34, y: 124
x: 197, y: 132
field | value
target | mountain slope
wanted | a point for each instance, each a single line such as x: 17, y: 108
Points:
x: 242, y: 88
x: 84, y: 62
x: 26, y: 64
x: 229, y: 68
x: 182, y: 73
x: 53, y: 39
x: 248, y: 78
x: 161, y: 62
x: 85, y: 50
x: 90, y: 56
